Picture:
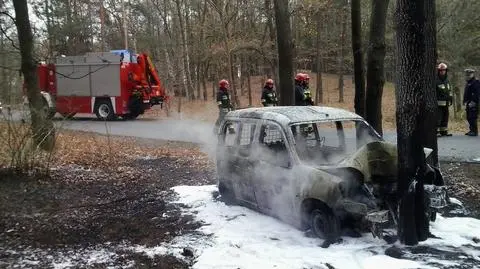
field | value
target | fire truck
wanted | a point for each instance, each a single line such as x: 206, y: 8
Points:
x: 118, y: 83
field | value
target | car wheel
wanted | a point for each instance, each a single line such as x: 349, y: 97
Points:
x: 227, y: 194
x: 324, y: 224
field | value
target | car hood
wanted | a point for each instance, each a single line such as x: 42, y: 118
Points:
x: 377, y: 158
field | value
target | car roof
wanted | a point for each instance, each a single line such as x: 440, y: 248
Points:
x: 286, y: 115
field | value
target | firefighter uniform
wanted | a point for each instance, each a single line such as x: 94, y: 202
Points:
x: 444, y: 100
x: 471, y: 98
x: 303, y: 95
x: 269, y: 97
x: 223, y: 101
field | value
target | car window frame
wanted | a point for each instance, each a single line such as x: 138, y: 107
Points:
x: 289, y: 131
x: 290, y: 157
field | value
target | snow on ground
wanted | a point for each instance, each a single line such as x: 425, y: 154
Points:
x: 236, y: 237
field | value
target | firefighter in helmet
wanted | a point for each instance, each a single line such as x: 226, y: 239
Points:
x: 471, y: 99
x: 444, y: 99
x: 269, y: 96
x: 306, y: 90
x: 302, y: 92
x: 224, y: 102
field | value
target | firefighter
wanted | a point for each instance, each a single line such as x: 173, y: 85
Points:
x: 306, y: 90
x: 444, y: 99
x: 269, y: 96
x: 299, y: 78
x: 471, y: 98
x: 302, y: 92
x: 223, y: 101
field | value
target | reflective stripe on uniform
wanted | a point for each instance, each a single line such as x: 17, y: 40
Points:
x: 442, y: 103
x: 219, y: 102
x: 263, y: 100
x: 442, y: 129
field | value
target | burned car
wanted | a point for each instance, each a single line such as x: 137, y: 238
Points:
x: 321, y: 169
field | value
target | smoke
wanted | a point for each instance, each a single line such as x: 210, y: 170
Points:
x: 267, y: 173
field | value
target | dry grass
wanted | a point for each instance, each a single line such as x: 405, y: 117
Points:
x: 207, y: 111
x: 88, y: 150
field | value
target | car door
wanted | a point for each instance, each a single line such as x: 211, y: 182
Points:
x: 245, y: 162
x: 273, y: 171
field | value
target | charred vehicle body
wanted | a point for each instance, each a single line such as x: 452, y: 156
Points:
x: 318, y: 168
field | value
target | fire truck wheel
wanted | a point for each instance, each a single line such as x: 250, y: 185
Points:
x: 104, y: 110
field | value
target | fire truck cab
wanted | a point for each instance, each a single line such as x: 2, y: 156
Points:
x: 118, y: 83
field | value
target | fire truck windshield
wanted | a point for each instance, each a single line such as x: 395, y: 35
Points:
x: 128, y: 55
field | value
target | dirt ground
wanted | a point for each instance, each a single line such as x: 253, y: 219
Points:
x: 77, y: 209
x: 463, y: 181
x: 84, y: 207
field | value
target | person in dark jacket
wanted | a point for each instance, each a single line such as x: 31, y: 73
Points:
x: 269, y: 95
x: 306, y: 90
x: 471, y: 98
x: 224, y: 102
x: 444, y: 100
x: 302, y: 92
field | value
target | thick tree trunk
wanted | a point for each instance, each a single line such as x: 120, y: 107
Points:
x: 42, y: 128
x: 358, y: 57
x: 375, y: 64
x: 430, y: 133
x: 410, y: 107
x: 272, y: 37
x: 285, y: 52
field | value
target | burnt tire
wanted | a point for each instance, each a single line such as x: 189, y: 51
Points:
x: 324, y: 224
x: 227, y: 194
x: 104, y: 110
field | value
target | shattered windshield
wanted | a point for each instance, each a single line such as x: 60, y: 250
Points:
x: 330, y: 142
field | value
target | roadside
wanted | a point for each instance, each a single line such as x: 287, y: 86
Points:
x: 91, y: 213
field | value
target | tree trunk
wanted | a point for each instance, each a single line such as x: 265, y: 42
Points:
x: 285, y: 52
x: 249, y: 87
x: 185, y: 56
x: 430, y: 94
x: 358, y: 57
x: 319, y: 90
x: 272, y: 36
x: 410, y: 107
x: 342, y: 56
x: 375, y: 64
x: 43, y: 130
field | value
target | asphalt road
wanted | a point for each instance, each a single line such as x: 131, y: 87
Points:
x: 455, y: 148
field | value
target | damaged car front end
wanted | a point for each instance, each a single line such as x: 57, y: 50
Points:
x: 320, y: 169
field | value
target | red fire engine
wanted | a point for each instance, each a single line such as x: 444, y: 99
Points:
x: 107, y: 84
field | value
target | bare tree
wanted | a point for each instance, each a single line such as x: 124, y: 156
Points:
x: 410, y: 115
x: 319, y: 90
x: 42, y: 127
x: 430, y: 134
x: 375, y: 64
x: 341, y: 67
x: 285, y: 52
x: 358, y: 57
